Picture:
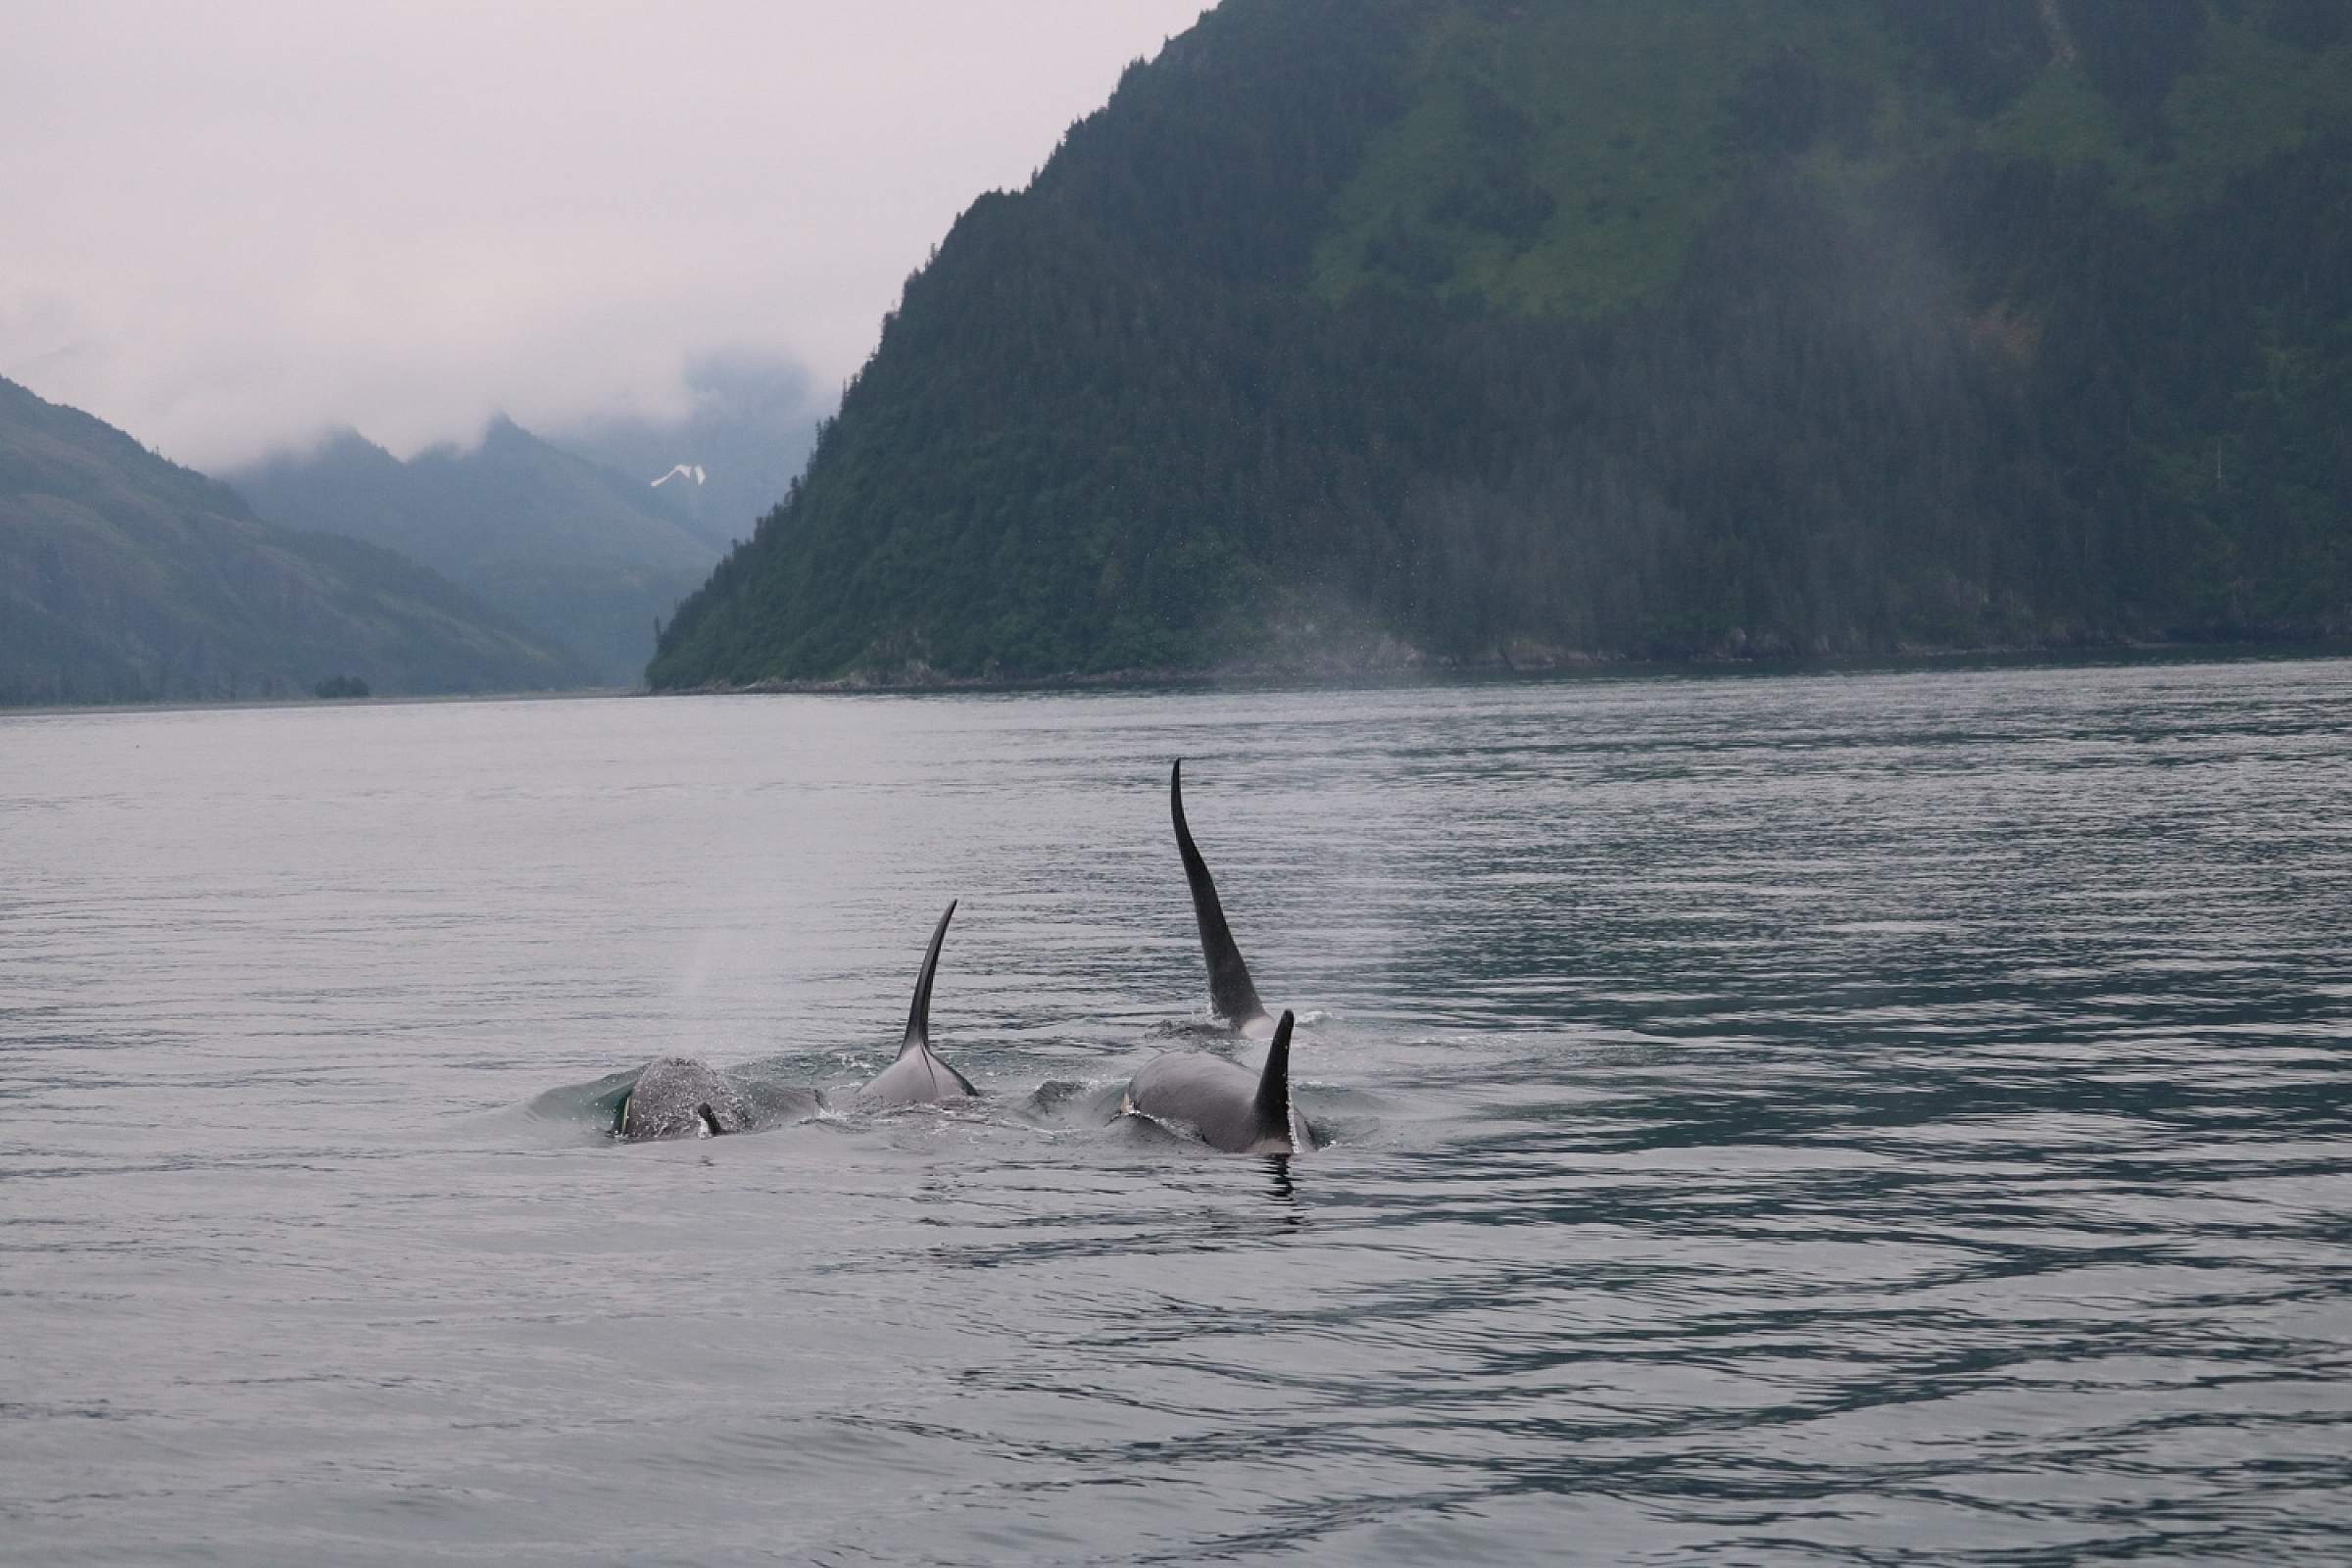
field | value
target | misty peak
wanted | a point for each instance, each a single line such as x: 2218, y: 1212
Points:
x: 340, y: 448
x: 502, y: 430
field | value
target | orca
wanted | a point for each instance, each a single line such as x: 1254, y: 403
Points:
x: 1224, y: 1103
x: 918, y: 1077
x: 684, y: 1097
x: 678, y: 1097
x: 1231, y: 991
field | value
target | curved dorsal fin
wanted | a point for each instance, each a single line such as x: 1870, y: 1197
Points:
x: 919, y: 1017
x: 1274, y: 1081
x: 1230, y: 990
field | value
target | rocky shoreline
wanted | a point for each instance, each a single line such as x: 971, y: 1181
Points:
x: 1422, y: 669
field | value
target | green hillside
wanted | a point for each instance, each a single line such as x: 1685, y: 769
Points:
x: 127, y: 579
x: 1493, y: 331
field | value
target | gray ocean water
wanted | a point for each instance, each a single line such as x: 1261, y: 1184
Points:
x: 1847, y: 1118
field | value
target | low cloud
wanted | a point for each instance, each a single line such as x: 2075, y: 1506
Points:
x: 236, y: 226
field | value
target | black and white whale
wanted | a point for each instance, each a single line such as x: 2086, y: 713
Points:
x: 1229, y: 1106
x: 918, y: 1077
x: 684, y: 1097
x: 679, y: 1096
x: 1231, y: 991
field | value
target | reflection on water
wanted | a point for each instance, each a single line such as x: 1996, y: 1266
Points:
x: 1837, y: 1118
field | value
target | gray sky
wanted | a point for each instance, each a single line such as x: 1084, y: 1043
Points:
x: 232, y: 225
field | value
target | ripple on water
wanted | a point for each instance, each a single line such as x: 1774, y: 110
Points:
x: 1852, y: 1118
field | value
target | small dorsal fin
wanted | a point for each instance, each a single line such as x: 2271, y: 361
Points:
x: 1274, y: 1081
x: 919, y: 1017
x: 1230, y: 990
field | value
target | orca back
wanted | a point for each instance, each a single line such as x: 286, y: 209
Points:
x: 918, y: 1077
x: 1222, y: 1101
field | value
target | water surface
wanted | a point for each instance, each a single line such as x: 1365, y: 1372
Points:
x: 1811, y: 1119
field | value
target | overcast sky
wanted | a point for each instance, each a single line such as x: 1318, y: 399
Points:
x: 232, y: 225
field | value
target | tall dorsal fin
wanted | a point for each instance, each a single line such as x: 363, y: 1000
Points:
x: 1274, y: 1083
x: 1230, y: 990
x: 919, y: 1017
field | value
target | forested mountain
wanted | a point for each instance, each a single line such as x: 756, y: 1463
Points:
x: 583, y: 556
x: 127, y: 579
x: 1516, y: 330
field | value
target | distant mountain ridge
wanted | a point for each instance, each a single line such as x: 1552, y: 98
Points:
x: 585, y: 556
x: 1517, y: 331
x: 125, y: 578
x: 744, y: 435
